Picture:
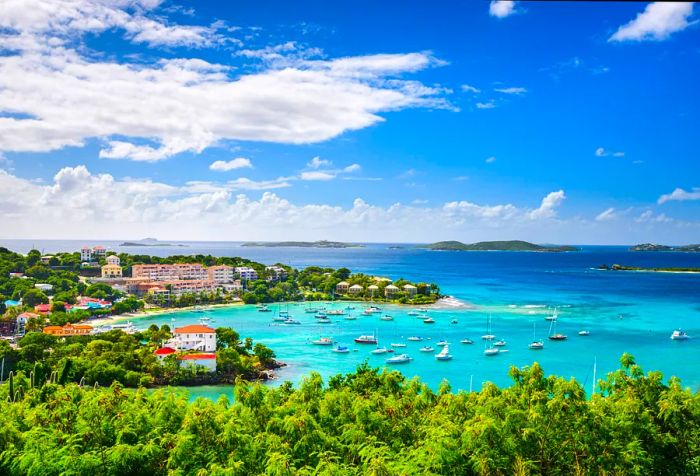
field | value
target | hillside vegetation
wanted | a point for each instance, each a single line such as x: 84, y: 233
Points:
x: 512, y: 245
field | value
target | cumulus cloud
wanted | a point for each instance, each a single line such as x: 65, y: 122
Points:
x: 470, y: 89
x: 606, y: 215
x: 225, y: 166
x: 61, y: 97
x: 602, y: 152
x: 650, y: 217
x: 501, y: 8
x: 318, y: 162
x: 485, y: 105
x: 658, y: 21
x: 547, y: 208
x: 317, y: 175
x: 511, y: 90
x: 680, y: 195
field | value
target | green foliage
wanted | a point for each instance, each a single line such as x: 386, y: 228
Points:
x: 366, y: 422
x: 33, y: 297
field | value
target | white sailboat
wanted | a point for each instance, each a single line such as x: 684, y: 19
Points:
x: 444, y: 354
x: 488, y: 335
x: 535, y: 344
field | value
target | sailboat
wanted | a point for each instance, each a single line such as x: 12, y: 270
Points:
x: 552, y: 317
x: 444, y: 354
x: 556, y: 335
x: 535, y: 344
x: 399, y: 359
x: 488, y: 335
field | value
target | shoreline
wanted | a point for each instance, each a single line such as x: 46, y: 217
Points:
x: 668, y: 271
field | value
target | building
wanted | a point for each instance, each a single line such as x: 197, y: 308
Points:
x: 234, y: 287
x: 46, y: 259
x: 410, y: 289
x: 342, y: 287
x: 204, y: 360
x: 194, y: 337
x: 276, y: 273
x: 68, y: 330
x: 355, y: 289
x: 113, y: 259
x: 163, y: 352
x: 42, y: 308
x: 390, y: 290
x: 23, y: 318
x: 184, y: 286
x: 166, y: 272
x: 373, y: 288
x: 246, y: 273
x: 220, y: 274
x: 47, y: 288
x: 88, y: 254
x: 111, y: 271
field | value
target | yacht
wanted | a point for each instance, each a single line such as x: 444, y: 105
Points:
x: 386, y: 317
x: 536, y: 345
x: 466, y: 341
x: 442, y: 343
x: 488, y: 335
x: 264, y: 309
x: 366, y: 339
x: 584, y: 333
x: 399, y: 359
x: 427, y: 348
x: 679, y: 334
x: 320, y: 315
x: 323, y: 341
x: 500, y: 343
x: 555, y: 335
x: 398, y: 344
x: 444, y: 354
x: 553, y: 316
x: 335, y: 312
x: 429, y: 320
x: 324, y: 320
x: 341, y: 349
x: 380, y: 350
x: 289, y: 320
x: 350, y: 308
x: 413, y: 313
x: 415, y: 339
x: 491, y: 351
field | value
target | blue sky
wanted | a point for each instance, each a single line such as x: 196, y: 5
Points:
x: 552, y: 122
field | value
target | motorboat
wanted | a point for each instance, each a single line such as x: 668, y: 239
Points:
x: 398, y: 344
x: 415, y: 339
x: 341, y: 349
x: 491, y: 351
x: 399, y: 359
x: 320, y: 315
x: 441, y: 343
x: 536, y: 345
x: 350, y: 317
x: 427, y: 348
x: 429, y: 320
x: 366, y: 339
x: 335, y: 312
x: 413, y: 313
x: 466, y: 341
x: 679, y: 334
x: 264, y: 309
x: 380, y: 350
x: 323, y: 341
x: 500, y: 343
x: 454, y: 321
x: 386, y: 317
x: 584, y: 333
x: 324, y: 320
x: 289, y: 320
x: 444, y: 354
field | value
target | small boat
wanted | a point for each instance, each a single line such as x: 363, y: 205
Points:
x: 444, y: 354
x: 556, y: 335
x: 415, y: 339
x: 679, y: 334
x: 320, y: 315
x: 427, y: 348
x: 442, y: 343
x: 323, y: 341
x: 335, y: 312
x: 289, y: 320
x: 553, y: 316
x: 466, y: 341
x: 324, y: 320
x: 380, y: 350
x: 454, y: 321
x: 366, y: 339
x: 488, y: 335
x: 264, y: 309
x: 584, y: 333
x: 386, y: 318
x: 398, y: 344
x: 413, y: 313
x: 350, y: 318
x: 491, y: 351
x: 399, y: 359
x: 535, y: 344
x: 205, y: 318
x: 429, y: 320
x: 350, y: 308
x: 341, y: 349
x: 311, y: 310
x: 279, y: 319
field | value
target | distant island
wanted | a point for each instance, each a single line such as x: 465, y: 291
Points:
x: 619, y: 267
x: 512, y: 245
x: 302, y: 244
x: 655, y: 247
x: 149, y: 242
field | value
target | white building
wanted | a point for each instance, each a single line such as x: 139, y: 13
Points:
x: 220, y: 274
x: 47, y: 288
x: 114, y: 260
x: 246, y: 273
x: 194, y: 337
x: 88, y: 254
x: 277, y: 273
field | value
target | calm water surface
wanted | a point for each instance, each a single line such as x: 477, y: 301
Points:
x: 624, y: 311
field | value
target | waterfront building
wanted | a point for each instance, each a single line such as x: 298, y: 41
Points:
x: 390, y: 291
x: 246, y: 273
x: 355, y: 289
x: 277, y: 273
x: 410, y: 289
x: 166, y: 272
x: 194, y: 337
x: 342, y: 287
x: 220, y: 274
x: 373, y: 288
x: 183, y: 286
x: 69, y: 330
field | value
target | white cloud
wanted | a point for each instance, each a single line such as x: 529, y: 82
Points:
x: 618, y: 154
x: 649, y: 217
x: 237, y: 163
x: 657, y: 22
x: 606, y: 215
x: 511, y: 90
x: 151, y: 111
x: 352, y: 168
x: 318, y: 162
x: 490, y: 160
x: 501, y: 8
x: 470, y: 89
x: 602, y: 152
x: 485, y: 105
x: 680, y: 194
x: 317, y: 175
x: 407, y: 174
x: 548, y: 206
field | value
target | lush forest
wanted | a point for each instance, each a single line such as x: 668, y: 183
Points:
x: 512, y: 245
x: 367, y: 422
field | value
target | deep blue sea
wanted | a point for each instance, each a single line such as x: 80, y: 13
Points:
x: 631, y: 312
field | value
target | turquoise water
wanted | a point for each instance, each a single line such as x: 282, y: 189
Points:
x: 631, y: 312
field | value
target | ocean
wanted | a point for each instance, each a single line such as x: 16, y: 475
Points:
x: 633, y: 312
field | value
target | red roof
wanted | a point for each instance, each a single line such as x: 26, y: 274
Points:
x: 198, y: 357
x: 195, y: 329
x: 42, y: 308
x: 165, y: 351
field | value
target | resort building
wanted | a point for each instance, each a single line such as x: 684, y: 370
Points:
x: 355, y: 289
x: 390, y: 290
x: 166, y: 272
x: 207, y: 360
x: 184, y: 286
x: 68, y: 330
x: 113, y: 259
x: 88, y: 254
x: 23, y: 318
x: 46, y: 259
x: 111, y: 271
x: 372, y: 289
x: 163, y: 352
x: 246, y: 273
x: 342, y: 287
x: 47, y: 288
x: 410, y: 289
x: 233, y: 287
x: 276, y: 273
x: 220, y: 274
x: 194, y: 337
